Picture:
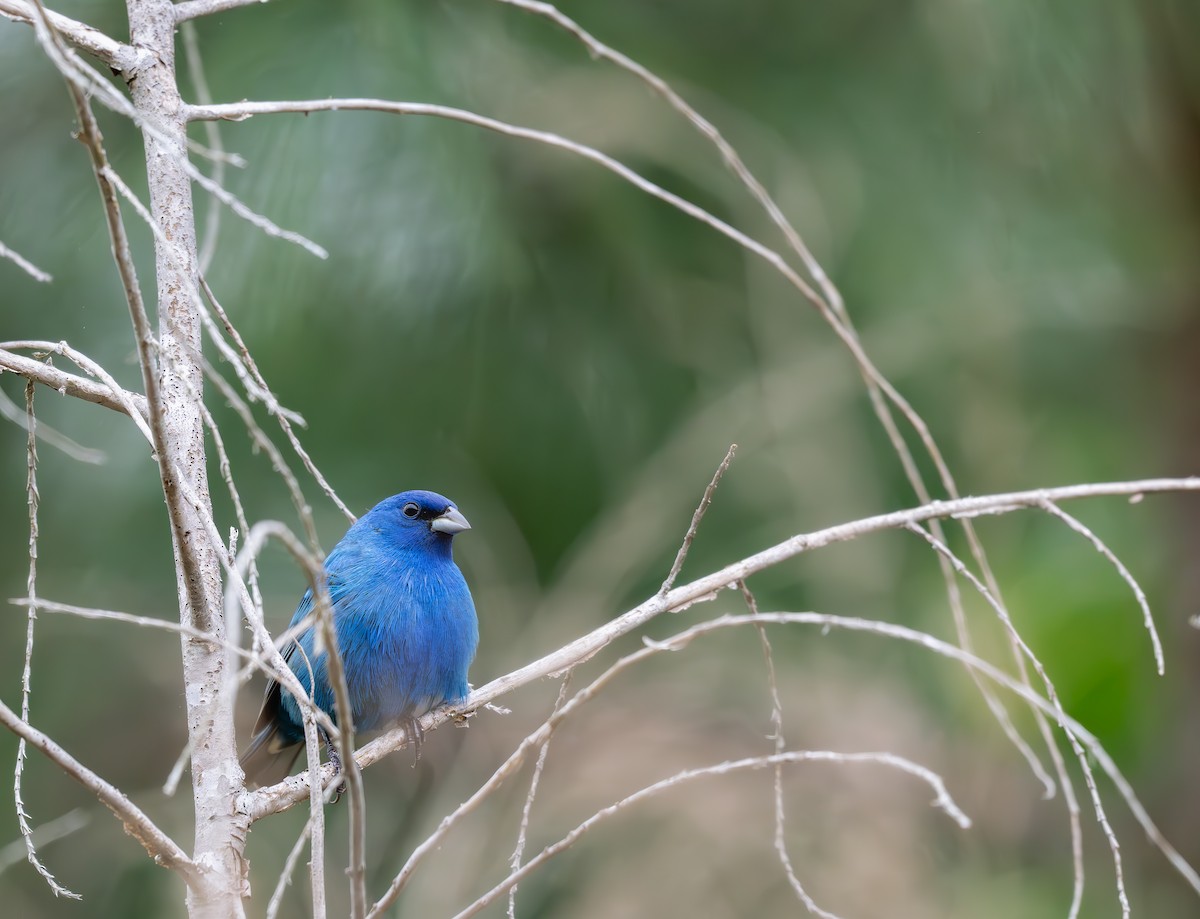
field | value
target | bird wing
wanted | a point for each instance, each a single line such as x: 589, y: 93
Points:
x: 270, y: 739
x: 272, y: 698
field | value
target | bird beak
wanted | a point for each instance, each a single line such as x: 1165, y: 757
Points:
x: 450, y: 522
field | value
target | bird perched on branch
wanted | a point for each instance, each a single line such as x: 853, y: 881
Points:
x: 405, y: 625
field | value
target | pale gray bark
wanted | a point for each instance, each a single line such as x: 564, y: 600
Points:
x: 216, y: 777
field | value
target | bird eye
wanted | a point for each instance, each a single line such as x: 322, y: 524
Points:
x: 410, y: 510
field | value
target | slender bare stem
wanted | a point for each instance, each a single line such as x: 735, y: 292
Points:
x: 68, y: 384
x: 942, y: 800
x: 161, y: 847
x: 32, y: 499
x: 49, y: 436
x: 193, y: 9
x: 23, y: 263
x: 275, y: 798
x: 1138, y: 594
x: 539, y: 767
x: 120, y: 57
x: 701, y: 509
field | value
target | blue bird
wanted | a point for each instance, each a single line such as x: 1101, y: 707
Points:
x: 405, y: 624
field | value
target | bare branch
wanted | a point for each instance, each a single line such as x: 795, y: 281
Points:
x: 701, y: 509
x: 282, y: 415
x: 175, y: 776
x: 193, y: 9
x: 785, y: 858
x: 240, y: 111
x: 1074, y: 730
x: 68, y: 384
x: 942, y: 800
x: 263, y: 442
x: 21, y: 262
x: 161, y: 847
x: 33, y: 499
x: 275, y: 798
x: 343, y: 728
x: 110, y: 615
x: 252, y: 217
x: 732, y: 159
x: 50, y: 436
x: 832, y: 309
x: 118, y: 56
x: 195, y: 65
x: 44, y: 834
x: 316, y: 817
x: 539, y: 767
x: 289, y: 868
x: 1138, y: 594
x: 350, y: 774
x: 1051, y: 694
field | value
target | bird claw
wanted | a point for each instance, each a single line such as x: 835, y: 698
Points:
x: 415, y: 735
x: 336, y: 761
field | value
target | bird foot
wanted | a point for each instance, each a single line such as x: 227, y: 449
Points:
x: 336, y: 761
x: 415, y: 735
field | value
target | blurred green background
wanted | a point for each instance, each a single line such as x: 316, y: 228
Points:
x: 1008, y: 195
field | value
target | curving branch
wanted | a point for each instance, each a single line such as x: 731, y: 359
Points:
x: 68, y: 384
x: 270, y: 800
x: 193, y: 9
x: 164, y: 850
x: 117, y: 55
x: 942, y: 801
x: 24, y: 264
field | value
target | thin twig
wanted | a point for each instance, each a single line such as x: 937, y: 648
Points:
x: 193, y: 9
x: 732, y: 159
x: 776, y: 735
x: 162, y: 849
x: 32, y: 499
x: 274, y: 798
x: 240, y: 111
x: 942, y: 800
x: 1059, y: 713
x: 316, y: 817
x: 44, y: 834
x: 68, y: 384
x: 289, y: 868
x: 191, y: 575
x: 284, y: 417
x: 1073, y: 728
x: 238, y: 360
x: 82, y: 78
x: 832, y: 308
x: 118, y: 56
x: 146, y: 622
x: 24, y: 264
x: 701, y: 509
x: 514, y: 861
x: 263, y: 442
x: 49, y: 436
x: 1138, y: 594
x: 175, y: 776
x: 343, y: 727
x: 252, y: 217
x: 336, y: 673
x: 195, y: 66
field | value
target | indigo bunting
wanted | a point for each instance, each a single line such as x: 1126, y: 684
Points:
x: 405, y: 625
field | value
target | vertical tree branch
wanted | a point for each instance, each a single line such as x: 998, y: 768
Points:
x: 172, y: 377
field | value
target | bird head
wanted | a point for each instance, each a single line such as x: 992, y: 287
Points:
x: 417, y: 517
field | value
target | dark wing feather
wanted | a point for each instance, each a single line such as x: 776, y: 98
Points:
x: 270, y: 756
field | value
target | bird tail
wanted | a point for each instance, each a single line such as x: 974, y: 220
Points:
x: 269, y: 758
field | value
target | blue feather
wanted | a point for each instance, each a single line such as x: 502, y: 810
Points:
x: 405, y: 623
